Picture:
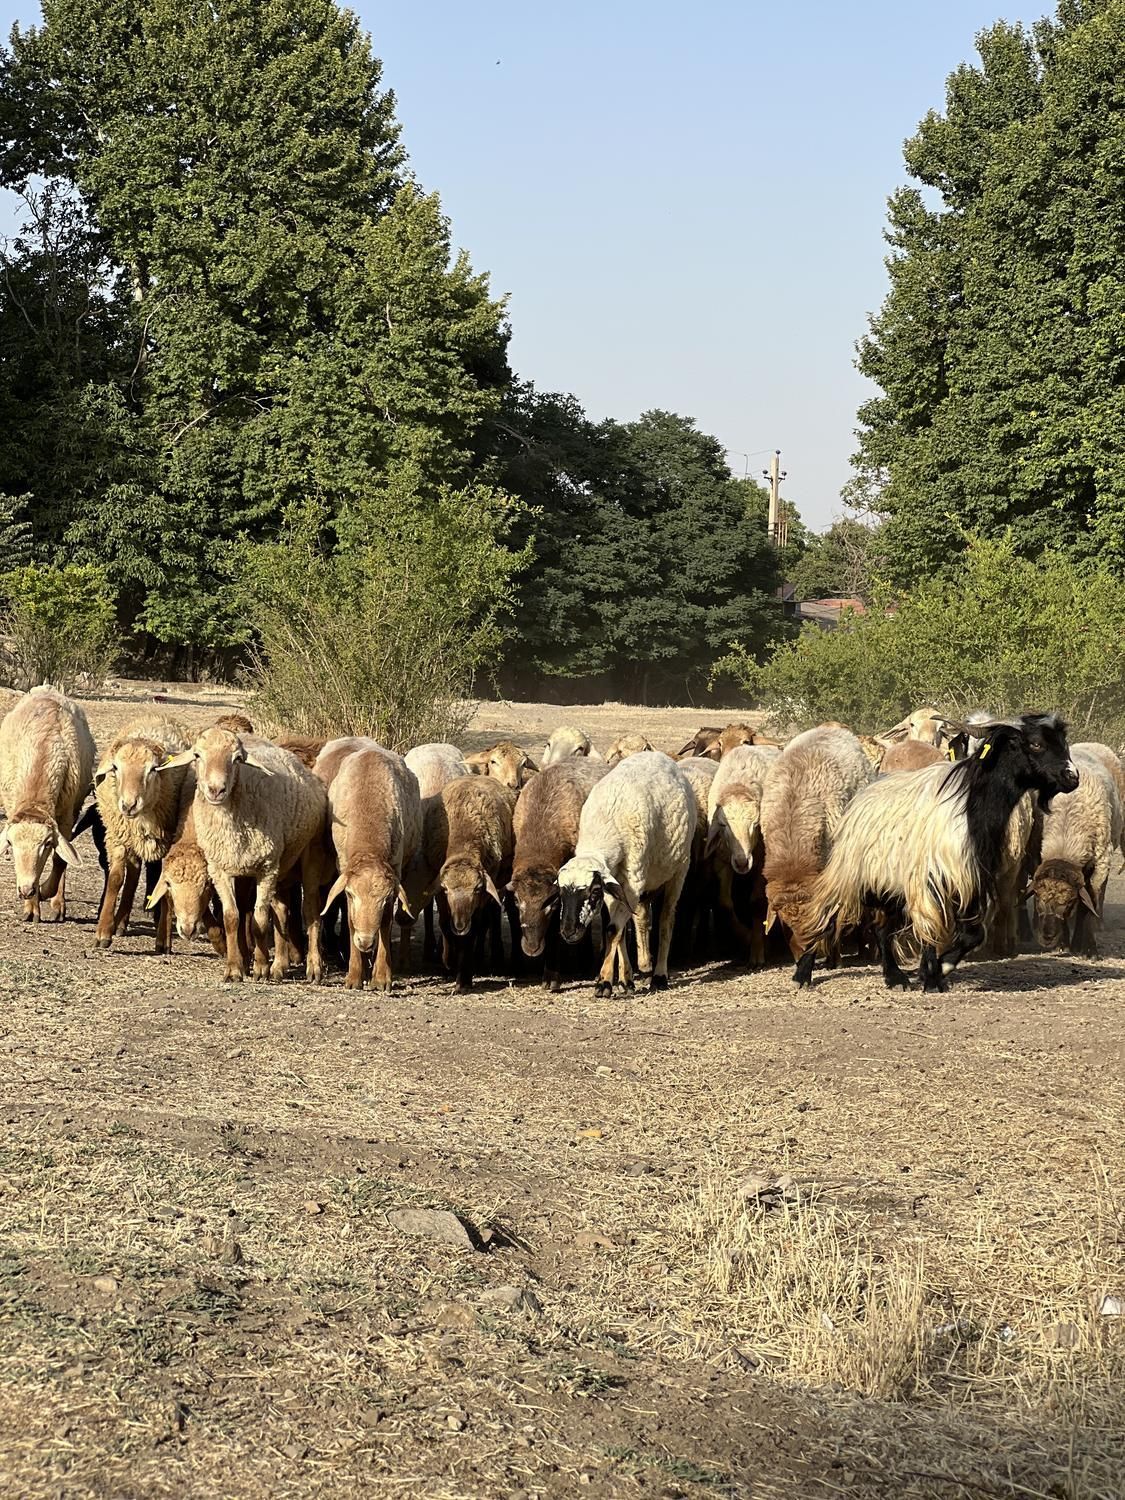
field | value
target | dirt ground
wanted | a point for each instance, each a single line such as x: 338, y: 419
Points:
x: 725, y: 1240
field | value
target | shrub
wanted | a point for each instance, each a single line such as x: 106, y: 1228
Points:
x: 1007, y: 634
x: 58, y: 625
x: 383, y: 635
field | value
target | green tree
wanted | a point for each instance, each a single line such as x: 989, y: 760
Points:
x: 844, y: 561
x: 648, y: 559
x: 296, y: 326
x: 998, y: 349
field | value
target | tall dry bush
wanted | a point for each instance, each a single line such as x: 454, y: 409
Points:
x: 382, y: 635
x: 57, y: 625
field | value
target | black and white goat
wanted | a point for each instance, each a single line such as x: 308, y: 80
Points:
x: 923, y: 849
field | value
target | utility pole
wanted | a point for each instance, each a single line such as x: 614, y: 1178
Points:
x: 779, y: 521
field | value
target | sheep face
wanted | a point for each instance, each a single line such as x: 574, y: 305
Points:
x: 371, y: 891
x: 33, y: 839
x: 626, y: 745
x: 133, y: 766
x: 583, y: 886
x: 466, y: 887
x: 218, y: 753
x: 185, y: 882
x: 735, y: 826
x: 1057, y: 888
x: 563, y: 744
x: 536, y: 894
x: 791, y: 905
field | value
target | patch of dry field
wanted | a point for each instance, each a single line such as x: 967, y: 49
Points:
x: 200, y: 1291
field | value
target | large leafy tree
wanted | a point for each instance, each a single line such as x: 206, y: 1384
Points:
x: 998, y: 351
x: 295, y: 329
x: 648, y: 558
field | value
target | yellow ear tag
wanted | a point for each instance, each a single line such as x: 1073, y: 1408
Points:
x: 984, y: 749
x: 951, y: 753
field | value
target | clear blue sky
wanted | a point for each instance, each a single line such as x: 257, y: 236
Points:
x: 685, y: 203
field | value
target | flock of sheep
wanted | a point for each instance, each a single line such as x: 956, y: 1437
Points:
x: 917, y: 846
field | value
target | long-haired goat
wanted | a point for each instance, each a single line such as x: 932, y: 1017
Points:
x: 924, y: 848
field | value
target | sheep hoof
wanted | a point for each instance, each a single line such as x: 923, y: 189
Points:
x: 233, y: 976
x: 104, y: 942
x: 802, y: 974
x: 553, y: 984
x: 657, y: 982
x: 933, y: 985
x: 628, y: 989
x: 121, y: 929
x: 603, y: 989
x: 277, y: 974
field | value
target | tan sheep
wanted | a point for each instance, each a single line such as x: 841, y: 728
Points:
x: 258, y: 811
x: 908, y: 755
x: 375, y: 818
x: 806, y: 793
x: 139, y: 809
x: 625, y: 745
x: 505, y: 762
x: 734, y: 838
x: 478, y: 862
x: 46, y: 762
x: 1080, y: 834
x: 434, y: 765
x: 565, y: 743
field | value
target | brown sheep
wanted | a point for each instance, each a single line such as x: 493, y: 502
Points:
x: 505, y: 762
x: 806, y: 793
x: 909, y: 755
x: 699, y: 742
x: 626, y: 744
x: 304, y: 746
x: 236, y: 723
x: 545, y: 827
x: 478, y: 862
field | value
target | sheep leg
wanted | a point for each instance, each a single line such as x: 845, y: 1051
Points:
x: 282, y: 953
x: 232, y: 925
x: 311, y: 877
x: 671, y: 895
x: 382, y: 977
x: 128, y: 896
x: 496, y: 936
x: 514, y: 933
x: 551, y: 980
x: 617, y: 952
x: 163, y: 924
x: 642, y: 919
x: 405, y: 930
x: 54, y: 888
x: 115, y: 879
x: 213, y: 921
x: 893, y: 976
x: 430, y: 951
x: 744, y: 936
x: 264, y: 898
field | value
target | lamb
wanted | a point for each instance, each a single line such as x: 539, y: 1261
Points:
x: 566, y: 742
x: 634, y: 839
x: 924, y: 848
x: 46, y: 762
x: 1080, y: 834
x: 625, y: 745
x: 734, y: 835
x: 478, y: 862
x: 505, y: 762
x: 257, y: 812
x: 804, y: 797
x: 545, y: 827
x: 433, y: 765
x: 926, y: 725
x: 910, y: 755
x: 184, y: 884
x: 139, y: 810
x: 375, y: 816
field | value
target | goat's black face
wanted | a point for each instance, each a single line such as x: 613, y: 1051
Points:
x: 1052, y: 770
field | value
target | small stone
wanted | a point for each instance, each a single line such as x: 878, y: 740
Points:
x: 592, y: 1134
x: 455, y: 1424
x: 106, y: 1284
x: 231, y: 1254
x: 511, y: 1299
x: 236, y: 1052
x: 311, y: 1206
x: 826, y: 1323
x: 587, y: 1239
x: 603, y: 1072
x: 294, y: 1450
x: 1112, y: 1307
x: 439, y: 1224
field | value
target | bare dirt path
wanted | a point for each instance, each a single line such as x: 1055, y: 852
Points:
x: 202, y: 1290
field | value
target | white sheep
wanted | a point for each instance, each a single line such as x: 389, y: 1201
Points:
x: 1080, y: 834
x: 634, y: 839
x: 1112, y: 762
x: 139, y: 809
x: 434, y: 765
x: 375, y: 818
x: 46, y: 763
x: 258, y: 811
x: 565, y: 742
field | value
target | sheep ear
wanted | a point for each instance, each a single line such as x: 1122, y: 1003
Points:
x: 490, y: 887
x: 404, y: 902
x: 714, y: 837
x: 6, y: 834
x: 252, y: 760
x: 159, y: 891
x: 66, y: 851
x: 617, y: 891
x: 770, y: 920
x: 1087, y: 900
x: 101, y: 773
x: 713, y: 751
x: 182, y: 758
x: 338, y: 886
x: 529, y: 764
